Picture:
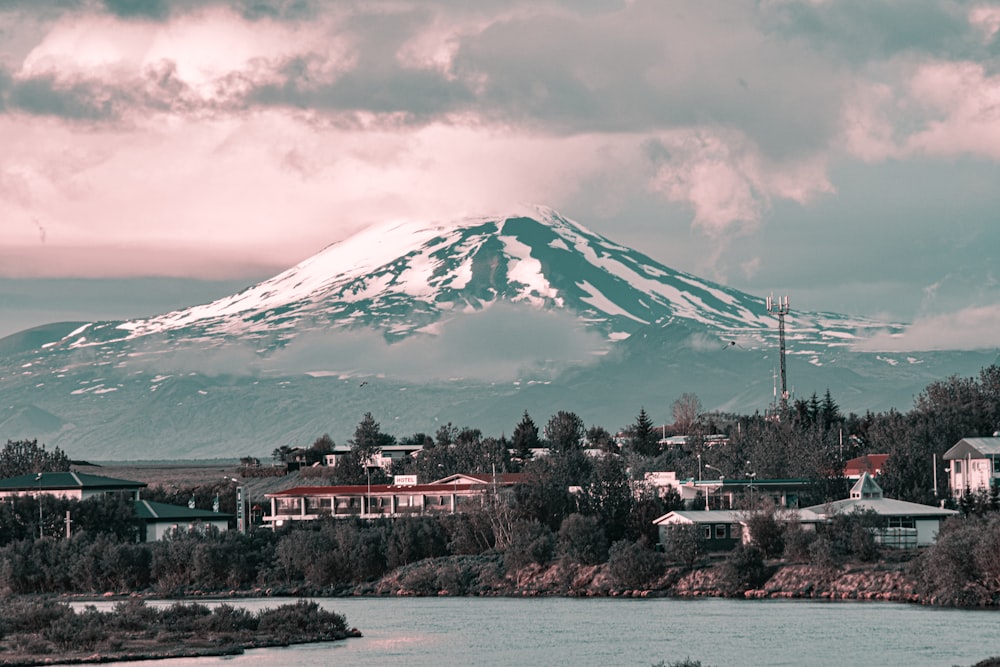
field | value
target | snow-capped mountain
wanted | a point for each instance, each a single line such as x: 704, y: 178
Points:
x: 408, y: 277
x: 561, y: 319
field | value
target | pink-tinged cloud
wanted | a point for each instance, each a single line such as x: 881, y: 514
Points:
x: 934, y: 108
x: 727, y: 181
x: 963, y: 105
x: 973, y: 328
x: 987, y: 19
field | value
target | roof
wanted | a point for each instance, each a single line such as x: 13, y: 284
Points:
x: 60, y: 481
x: 150, y: 511
x: 881, y: 506
x: 376, y: 490
x: 976, y: 448
x: 870, y: 463
x: 506, y: 478
x: 741, y: 482
x: 866, y: 487
x: 701, y: 516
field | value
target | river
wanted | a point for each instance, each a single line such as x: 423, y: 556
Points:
x: 442, y: 632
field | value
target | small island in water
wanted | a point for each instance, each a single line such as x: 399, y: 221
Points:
x: 44, y: 631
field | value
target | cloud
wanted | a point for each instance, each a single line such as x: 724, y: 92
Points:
x: 726, y: 180
x: 503, y: 343
x: 973, y: 328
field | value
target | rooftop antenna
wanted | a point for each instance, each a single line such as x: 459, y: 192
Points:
x: 779, y: 307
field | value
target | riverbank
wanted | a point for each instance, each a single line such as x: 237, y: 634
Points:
x: 885, y: 580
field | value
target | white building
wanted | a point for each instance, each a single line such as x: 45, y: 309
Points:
x: 973, y: 465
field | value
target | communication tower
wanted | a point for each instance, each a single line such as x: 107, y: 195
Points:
x: 779, y: 307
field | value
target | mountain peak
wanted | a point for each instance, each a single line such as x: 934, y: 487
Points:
x: 405, y: 277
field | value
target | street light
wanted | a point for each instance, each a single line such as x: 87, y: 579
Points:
x: 41, y: 529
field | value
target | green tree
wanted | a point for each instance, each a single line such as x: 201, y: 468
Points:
x: 564, y: 432
x: 582, y: 540
x: 525, y: 438
x: 684, y: 543
x: 21, y: 457
x: 634, y: 564
x: 608, y: 495
x: 598, y: 437
x: 643, y: 437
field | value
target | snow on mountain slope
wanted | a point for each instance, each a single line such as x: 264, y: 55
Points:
x: 402, y: 277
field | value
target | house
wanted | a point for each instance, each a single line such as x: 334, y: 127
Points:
x: 448, y: 495
x: 973, y: 465
x: 905, y: 524
x: 869, y: 463
x: 157, y: 518
x: 160, y: 519
x: 384, y: 458
x: 722, y: 529
x: 726, y: 493
x: 71, y: 485
x: 660, y: 482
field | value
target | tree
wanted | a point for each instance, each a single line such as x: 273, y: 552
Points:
x: 687, y: 409
x: 525, y: 438
x: 598, y: 437
x: 21, y: 457
x: 582, y: 540
x: 644, y: 440
x: 564, y: 432
x: 684, y: 543
x: 608, y: 495
x: 369, y: 439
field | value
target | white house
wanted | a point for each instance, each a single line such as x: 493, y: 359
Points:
x: 722, y: 529
x: 384, y: 458
x: 158, y: 519
x: 906, y: 524
x: 973, y: 464
x: 161, y: 519
x: 71, y: 485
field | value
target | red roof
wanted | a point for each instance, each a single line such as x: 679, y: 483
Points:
x: 375, y: 489
x: 869, y: 463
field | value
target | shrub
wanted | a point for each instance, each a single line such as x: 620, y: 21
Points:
x: 290, y: 620
x: 582, y: 540
x: 766, y: 532
x: 634, y: 564
x: 798, y: 543
x: 742, y: 570
x: 684, y: 544
x: 530, y: 542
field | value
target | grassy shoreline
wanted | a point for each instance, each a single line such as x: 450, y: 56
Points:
x: 48, y: 631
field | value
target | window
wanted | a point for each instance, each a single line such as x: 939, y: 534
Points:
x: 707, y: 532
x: 902, y: 522
x: 720, y: 531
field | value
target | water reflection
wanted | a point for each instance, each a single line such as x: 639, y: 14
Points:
x: 439, y: 632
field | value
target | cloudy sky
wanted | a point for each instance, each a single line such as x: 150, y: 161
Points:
x: 159, y: 153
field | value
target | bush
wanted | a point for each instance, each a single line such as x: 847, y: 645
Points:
x: 582, y: 540
x: 634, y: 564
x: 684, y: 544
x: 798, y: 543
x: 766, y: 532
x: 304, y: 616
x: 530, y: 542
x: 742, y: 570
